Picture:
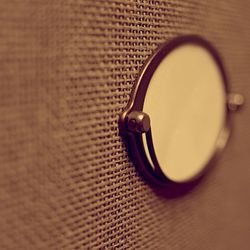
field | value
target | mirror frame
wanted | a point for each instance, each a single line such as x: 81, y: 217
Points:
x: 134, y: 112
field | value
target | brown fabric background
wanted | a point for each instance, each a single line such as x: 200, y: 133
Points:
x: 66, y: 182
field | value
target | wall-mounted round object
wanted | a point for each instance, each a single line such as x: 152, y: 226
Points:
x: 178, y: 116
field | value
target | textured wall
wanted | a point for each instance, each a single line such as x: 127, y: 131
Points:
x: 66, y: 71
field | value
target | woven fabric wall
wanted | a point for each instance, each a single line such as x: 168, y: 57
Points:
x: 66, y: 72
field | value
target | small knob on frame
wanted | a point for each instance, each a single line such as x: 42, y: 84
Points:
x: 138, y: 122
x: 235, y: 101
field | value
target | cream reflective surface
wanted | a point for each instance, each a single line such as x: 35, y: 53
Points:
x: 186, y: 102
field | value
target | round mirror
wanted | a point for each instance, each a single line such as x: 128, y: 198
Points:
x: 177, y: 118
x: 186, y: 103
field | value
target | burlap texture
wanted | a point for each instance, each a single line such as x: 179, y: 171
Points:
x: 66, y: 72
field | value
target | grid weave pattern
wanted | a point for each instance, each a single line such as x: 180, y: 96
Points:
x: 66, y: 182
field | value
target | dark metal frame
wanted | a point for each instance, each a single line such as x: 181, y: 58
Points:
x: 133, y: 122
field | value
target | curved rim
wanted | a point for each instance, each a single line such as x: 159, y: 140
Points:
x: 154, y: 173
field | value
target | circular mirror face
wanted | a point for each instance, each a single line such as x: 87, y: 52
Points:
x: 186, y: 103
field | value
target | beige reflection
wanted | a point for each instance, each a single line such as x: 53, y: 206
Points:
x: 186, y: 103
